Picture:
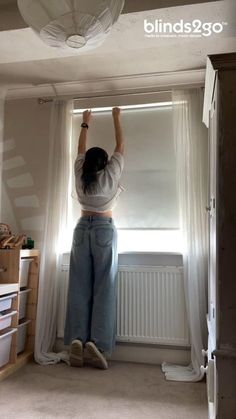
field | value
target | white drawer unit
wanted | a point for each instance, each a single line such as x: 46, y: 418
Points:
x: 19, y: 277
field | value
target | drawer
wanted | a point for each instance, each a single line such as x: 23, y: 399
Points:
x: 24, y: 271
x: 23, y: 296
x: 6, y: 319
x: 21, y: 336
x: 5, y: 346
x: 8, y: 288
x: 6, y: 302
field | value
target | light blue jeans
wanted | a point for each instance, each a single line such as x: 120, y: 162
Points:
x: 91, y: 303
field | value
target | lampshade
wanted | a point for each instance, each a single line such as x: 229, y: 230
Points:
x: 71, y: 23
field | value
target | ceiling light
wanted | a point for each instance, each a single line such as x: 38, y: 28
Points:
x: 71, y: 23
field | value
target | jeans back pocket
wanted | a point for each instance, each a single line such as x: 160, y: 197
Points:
x: 104, y: 236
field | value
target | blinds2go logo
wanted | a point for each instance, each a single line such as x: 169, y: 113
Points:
x: 196, y: 28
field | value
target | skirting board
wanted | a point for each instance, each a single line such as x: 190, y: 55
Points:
x: 145, y: 354
x: 150, y: 354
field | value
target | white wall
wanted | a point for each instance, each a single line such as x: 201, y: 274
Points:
x: 25, y: 161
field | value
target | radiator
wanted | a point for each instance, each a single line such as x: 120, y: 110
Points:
x: 150, y: 305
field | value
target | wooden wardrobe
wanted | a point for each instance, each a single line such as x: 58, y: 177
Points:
x: 220, y: 117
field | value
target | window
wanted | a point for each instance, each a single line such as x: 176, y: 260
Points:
x: 147, y: 215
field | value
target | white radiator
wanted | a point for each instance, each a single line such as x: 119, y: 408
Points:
x: 150, y: 305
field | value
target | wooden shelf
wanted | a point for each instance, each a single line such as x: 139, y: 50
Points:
x: 9, y: 281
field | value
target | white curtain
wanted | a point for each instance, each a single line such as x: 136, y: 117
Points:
x: 3, y: 91
x: 54, y: 230
x: 191, y: 144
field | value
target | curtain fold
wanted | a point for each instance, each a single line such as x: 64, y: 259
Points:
x: 191, y: 146
x: 54, y: 230
x: 3, y: 91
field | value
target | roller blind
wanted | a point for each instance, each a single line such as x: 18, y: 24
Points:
x: 150, y: 198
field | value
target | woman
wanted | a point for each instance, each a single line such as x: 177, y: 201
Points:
x: 91, y: 306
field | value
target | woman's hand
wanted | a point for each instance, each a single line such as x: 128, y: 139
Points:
x: 116, y: 112
x: 86, y: 116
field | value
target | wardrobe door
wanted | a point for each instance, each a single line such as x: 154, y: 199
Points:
x: 212, y: 265
x: 212, y: 210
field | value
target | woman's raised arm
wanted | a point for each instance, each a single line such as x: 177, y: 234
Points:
x: 83, y: 133
x: 118, y: 131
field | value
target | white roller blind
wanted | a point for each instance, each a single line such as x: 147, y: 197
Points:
x: 149, y: 178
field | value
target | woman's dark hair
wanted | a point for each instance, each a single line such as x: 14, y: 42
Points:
x: 95, y: 159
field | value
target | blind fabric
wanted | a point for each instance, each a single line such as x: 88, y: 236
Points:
x: 150, y: 198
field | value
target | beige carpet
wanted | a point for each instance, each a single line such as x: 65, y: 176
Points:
x: 124, y: 391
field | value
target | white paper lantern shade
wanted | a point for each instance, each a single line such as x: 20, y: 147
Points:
x: 71, y: 23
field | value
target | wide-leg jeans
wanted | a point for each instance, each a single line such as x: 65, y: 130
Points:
x: 91, y: 302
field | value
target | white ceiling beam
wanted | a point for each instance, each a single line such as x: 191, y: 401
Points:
x: 123, y: 85
x: 10, y: 17
x: 132, y: 6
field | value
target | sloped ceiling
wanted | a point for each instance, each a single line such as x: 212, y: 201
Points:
x: 26, y: 60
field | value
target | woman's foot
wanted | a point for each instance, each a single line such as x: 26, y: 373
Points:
x: 76, y: 353
x: 95, y: 357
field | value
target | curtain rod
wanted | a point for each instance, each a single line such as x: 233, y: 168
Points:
x: 43, y: 100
